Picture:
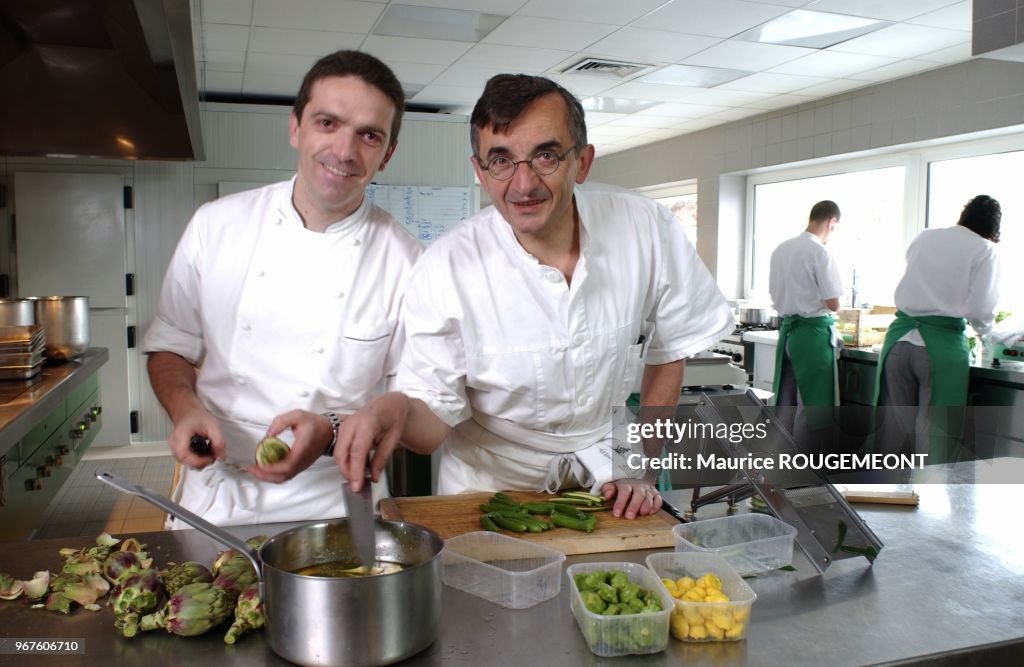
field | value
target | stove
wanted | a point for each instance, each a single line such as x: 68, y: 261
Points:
x: 733, y: 346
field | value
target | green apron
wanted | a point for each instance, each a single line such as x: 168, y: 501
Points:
x: 950, y: 370
x: 814, y: 366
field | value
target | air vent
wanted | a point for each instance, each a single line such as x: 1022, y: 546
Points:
x: 609, y: 69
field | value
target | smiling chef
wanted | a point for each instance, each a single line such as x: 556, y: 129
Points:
x: 284, y: 301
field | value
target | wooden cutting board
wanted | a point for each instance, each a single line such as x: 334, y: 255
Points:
x: 455, y: 515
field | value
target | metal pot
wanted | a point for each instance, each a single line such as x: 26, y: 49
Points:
x: 66, y: 322
x: 376, y: 620
x: 17, y: 312
x: 755, y: 315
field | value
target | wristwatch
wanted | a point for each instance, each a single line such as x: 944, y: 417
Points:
x: 335, y: 424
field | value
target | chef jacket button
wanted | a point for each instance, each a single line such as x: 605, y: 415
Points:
x: 341, y: 295
x: 240, y: 380
x: 577, y: 339
x: 246, y: 327
x: 356, y: 242
x: 554, y: 276
x: 260, y: 274
x: 303, y: 393
x: 582, y: 400
x: 318, y: 350
x: 280, y: 221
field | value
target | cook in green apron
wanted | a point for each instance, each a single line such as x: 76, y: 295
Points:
x: 950, y: 368
x: 814, y: 364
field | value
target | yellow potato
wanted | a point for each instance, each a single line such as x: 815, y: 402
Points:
x: 693, y: 595
x: 684, y: 583
x: 678, y: 625
x: 716, y: 596
x: 714, y: 632
x: 723, y: 619
x: 693, y: 615
x: 670, y: 586
x: 699, y: 590
x: 710, y: 581
x: 736, y: 631
x: 741, y: 614
x: 698, y: 631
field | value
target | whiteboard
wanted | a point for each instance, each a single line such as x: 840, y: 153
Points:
x: 427, y: 212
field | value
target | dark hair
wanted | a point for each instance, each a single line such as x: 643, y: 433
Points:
x: 981, y: 215
x: 361, y: 65
x: 824, y: 211
x: 507, y: 96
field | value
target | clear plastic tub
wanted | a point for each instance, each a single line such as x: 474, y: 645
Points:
x: 609, y: 636
x: 505, y: 570
x: 705, y: 621
x: 750, y: 543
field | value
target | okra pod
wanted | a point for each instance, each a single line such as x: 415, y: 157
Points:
x: 503, y: 498
x: 508, y: 522
x: 576, y: 523
x: 534, y: 525
x: 489, y: 524
x: 575, y: 512
x: 502, y: 509
x: 539, y: 508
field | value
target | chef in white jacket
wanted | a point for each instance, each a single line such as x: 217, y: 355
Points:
x: 280, y: 306
x: 530, y: 321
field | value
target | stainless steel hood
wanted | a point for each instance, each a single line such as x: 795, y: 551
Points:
x: 98, y: 78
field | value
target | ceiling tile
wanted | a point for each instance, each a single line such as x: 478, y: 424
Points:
x: 779, y: 102
x: 829, y: 88
x: 880, y: 9
x: 830, y: 63
x: 226, y: 37
x: 614, y: 130
x: 340, y: 15
x: 750, y: 56
x: 950, y: 56
x: 467, y: 76
x: 411, y: 50
x: 726, y: 98
x: 730, y: 115
x: 903, y: 41
x: 279, y: 64
x: 651, y: 91
x: 265, y: 83
x: 787, y: 3
x: 222, y: 82
x: 682, y: 111
x: 237, y: 12
x: 301, y: 42
x: 415, y: 72
x: 717, y: 18
x: 645, y: 121
x: 216, y: 60
x: 953, y: 17
x: 582, y: 85
x: 530, y: 31
x: 615, y: 12
x: 513, y: 59
x: 505, y: 7
x: 896, y: 70
x: 435, y: 94
x: 768, y: 82
x: 598, y: 118
x: 650, y: 46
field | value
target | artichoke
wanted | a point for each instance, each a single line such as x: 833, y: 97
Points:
x: 270, y: 450
x: 248, y: 614
x: 10, y: 588
x: 181, y: 574
x: 234, y: 573
x: 193, y: 610
x: 120, y: 565
x: 140, y: 593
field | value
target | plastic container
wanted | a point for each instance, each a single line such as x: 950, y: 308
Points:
x: 705, y: 621
x: 610, y: 636
x: 505, y: 570
x: 750, y: 543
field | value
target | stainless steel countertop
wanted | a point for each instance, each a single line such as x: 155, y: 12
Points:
x: 949, y: 580
x: 1011, y: 374
x: 42, y: 393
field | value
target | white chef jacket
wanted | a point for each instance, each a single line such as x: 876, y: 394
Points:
x: 528, y: 368
x: 278, y: 317
x: 802, y: 275
x: 953, y: 272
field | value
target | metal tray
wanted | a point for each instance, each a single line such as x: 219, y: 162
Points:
x: 20, y: 372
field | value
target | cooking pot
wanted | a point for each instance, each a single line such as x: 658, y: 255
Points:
x: 17, y: 312
x: 373, y: 620
x: 66, y: 322
x: 756, y: 315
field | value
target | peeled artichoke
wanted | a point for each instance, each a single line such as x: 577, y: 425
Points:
x: 270, y: 450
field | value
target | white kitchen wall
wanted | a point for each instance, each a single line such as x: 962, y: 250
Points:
x: 940, y: 105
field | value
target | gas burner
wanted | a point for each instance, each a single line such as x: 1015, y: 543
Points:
x: 744, y: 328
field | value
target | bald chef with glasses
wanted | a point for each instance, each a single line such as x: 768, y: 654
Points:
x: 529, y: 322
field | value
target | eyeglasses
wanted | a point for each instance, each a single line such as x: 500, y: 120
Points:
x: 543, y: 163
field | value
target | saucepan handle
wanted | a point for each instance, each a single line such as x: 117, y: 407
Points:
x: 179, y: 512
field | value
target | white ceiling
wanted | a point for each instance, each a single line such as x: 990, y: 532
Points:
x: 254, y: 49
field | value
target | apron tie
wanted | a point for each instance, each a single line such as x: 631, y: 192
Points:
x: 562, y: 468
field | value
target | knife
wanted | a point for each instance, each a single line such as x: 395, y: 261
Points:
x: 200, y: 446
x: 361, y: 521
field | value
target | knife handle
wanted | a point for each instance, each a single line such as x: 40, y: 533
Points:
x: 200, y: 446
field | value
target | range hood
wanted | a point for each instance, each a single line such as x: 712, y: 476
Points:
x: 98, y: 78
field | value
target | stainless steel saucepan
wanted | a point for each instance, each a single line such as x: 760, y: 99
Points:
x: 311, y: 620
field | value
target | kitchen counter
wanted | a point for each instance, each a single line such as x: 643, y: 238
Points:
x: 27, y: 402
x: 1010, y: 373
x: 947, y: 589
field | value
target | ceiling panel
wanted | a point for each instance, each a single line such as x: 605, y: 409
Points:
x: 504, y: 7
x: 225, y: 83
x: 411, y: 50
x: 265, y: 83
x: 830, y: 87
x: 467, y: 76
x: 953, y: 17
x: 770, y: 82
x: 514, y: 59
x: 443, y: 96
x: 301, y: 42
x: 779, y: 102
x: 226, y: 37
x: 717, y: 18
x: 224, y: 61
x: 834, y: 64
x: 529, y: 31
x: 279, y: 64
x: 903, y: 41
x: 650, y: 46
x: 636, y: 90
x: 953, y: 54
x: 896, y: 70
x: 238, y: 12
x: 727, y: 98
x: 339, y: 15
x: 615, y: 12
x: 416, y: 72
x: 752, y: 56
x: 889, y: 10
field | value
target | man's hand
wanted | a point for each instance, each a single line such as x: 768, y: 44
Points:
x: 196, y: 422
x: 378, y: 426
x: 312, y: 433
x: 633, y: 497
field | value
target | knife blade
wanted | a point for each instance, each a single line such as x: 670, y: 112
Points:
x: 200, y: 446
x: 361, y: 521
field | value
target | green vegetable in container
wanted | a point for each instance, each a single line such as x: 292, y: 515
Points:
x: 593, y: 602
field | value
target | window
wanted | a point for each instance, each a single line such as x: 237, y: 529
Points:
x: 868, y: 244
x: 951, y: 183
x: 681, y: 199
